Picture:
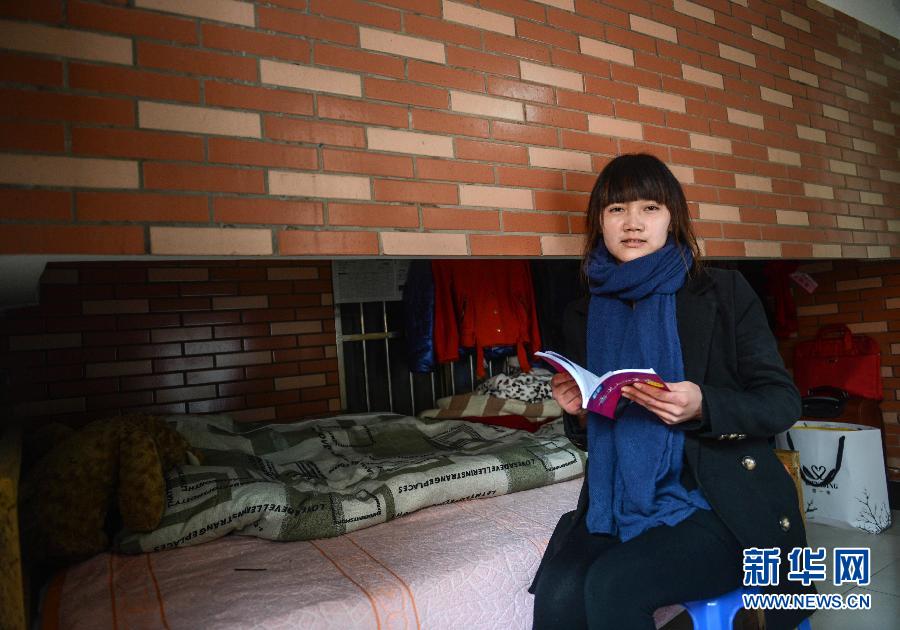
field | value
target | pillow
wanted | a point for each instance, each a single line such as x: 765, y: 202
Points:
x: 528, y: 387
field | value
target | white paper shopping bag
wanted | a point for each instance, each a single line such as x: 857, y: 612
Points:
x: 842, y: 467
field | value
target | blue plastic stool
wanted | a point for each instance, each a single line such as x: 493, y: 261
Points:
x: 718, y: 613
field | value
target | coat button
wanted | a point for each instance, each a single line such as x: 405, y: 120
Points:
x: 748, y: 462
x: 785, y: 523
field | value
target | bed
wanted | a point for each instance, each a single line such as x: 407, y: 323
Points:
x: 461, y: 565
x: 464, y: 563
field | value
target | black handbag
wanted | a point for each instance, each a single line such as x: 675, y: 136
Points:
x: 824, y: 402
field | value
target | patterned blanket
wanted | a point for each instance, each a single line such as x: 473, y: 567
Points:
x: 326, y: 477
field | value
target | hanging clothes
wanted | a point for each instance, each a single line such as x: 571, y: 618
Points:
x: 481, y: 303
x: 418, y: 311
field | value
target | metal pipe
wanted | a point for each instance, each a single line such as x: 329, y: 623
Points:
x: 433, y: 392
x: 452, y: 380
x: 362, y: 328
x: 339, y: 341
x: 387, y: 355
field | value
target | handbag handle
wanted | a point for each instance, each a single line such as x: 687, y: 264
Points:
x: 837, y: 330
x: 808, y: 477
x: 827, y: 391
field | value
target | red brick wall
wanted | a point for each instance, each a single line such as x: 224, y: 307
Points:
x: 250, y: 338
x: 437, y: 127
x: 866, y: 297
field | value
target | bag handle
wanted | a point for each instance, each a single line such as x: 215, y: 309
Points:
x: 837, y: 330
x: 807, y: 475
x: 827, y: 391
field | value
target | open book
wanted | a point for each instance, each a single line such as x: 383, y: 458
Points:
x: 601, y: 394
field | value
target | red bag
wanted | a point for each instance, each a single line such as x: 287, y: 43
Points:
x: 838, y: 358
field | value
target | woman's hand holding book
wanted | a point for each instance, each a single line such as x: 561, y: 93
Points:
x: 683, y: 401
x: 567, y: 393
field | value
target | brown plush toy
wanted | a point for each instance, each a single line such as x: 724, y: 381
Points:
x: 68, y: 493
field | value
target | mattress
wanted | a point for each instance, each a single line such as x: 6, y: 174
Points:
x: 462, y: 565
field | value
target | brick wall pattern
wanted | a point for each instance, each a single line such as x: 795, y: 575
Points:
x: 254, y: 339
x: 438, y: 127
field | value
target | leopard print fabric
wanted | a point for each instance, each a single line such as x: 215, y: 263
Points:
x: 529, y: 387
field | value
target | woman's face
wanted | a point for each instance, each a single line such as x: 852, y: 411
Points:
x: 635, y: 228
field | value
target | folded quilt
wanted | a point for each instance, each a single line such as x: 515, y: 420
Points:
x: 469, y: 405
x: 326, y: 477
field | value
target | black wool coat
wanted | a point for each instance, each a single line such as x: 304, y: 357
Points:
x: 748, y: 397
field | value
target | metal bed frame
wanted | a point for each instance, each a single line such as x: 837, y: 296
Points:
x: 447, y: 380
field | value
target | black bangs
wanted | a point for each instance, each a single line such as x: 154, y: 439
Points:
x: 632, y: 177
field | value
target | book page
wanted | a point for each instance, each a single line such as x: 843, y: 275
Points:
x: 601, y: 394
x: 587, y: 381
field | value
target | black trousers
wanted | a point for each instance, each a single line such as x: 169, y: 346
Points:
x: 596, y: 581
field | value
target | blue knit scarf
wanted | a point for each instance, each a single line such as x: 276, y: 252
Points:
x: 635, y: 461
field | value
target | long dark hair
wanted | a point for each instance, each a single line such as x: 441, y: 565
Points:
x: 637, y: 176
